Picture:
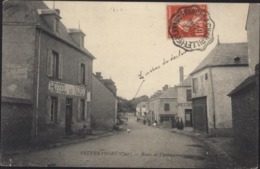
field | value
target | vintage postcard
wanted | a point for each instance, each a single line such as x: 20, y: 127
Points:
x: 130, y: 84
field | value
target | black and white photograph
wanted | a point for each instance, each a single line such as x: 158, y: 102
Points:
x: 120, y: 84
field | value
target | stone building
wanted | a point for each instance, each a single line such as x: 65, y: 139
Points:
x: 142, y: 109
x: 104, y: 102
x: 245, y: 96
x: 163, y: 106
x: 223, y: 69
x: 46, y: 75
x: 184, y: 99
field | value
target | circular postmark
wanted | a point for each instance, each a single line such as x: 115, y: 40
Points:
x: 191, y: 27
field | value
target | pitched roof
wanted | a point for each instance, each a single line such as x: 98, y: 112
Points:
x: 141, y: 104
x: 224, y: 54
x: 169, y: 93
x: 28, y: 12
x: 93, y: 75
x: 249, y: 81
x: 185, y: 82
x: 156, y: 95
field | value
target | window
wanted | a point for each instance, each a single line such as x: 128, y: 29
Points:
x: 195, y: 84
x: 82, y: 72
x: 81, y: 41
x: 166, y: 107
x: 82, y: 109
x: 188, y: 95
x: 201, y: 83
x: 82, y: 75
x: 53, y: 111
x: 56, y: 26
x: 54, y: 64
x: 164, y: 118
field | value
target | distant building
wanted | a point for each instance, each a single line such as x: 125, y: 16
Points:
x: 223, y: 69
x: 104, y: 102
x: 184, y: 99
x: 46, y: 75
x: 163, y: 105
x: 142, y: 109
x: 245, y: 96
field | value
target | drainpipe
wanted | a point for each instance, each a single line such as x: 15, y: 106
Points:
x: 38, y: 82
x: 213, y: 98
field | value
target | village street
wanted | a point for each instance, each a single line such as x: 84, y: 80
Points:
x: 144, y: 146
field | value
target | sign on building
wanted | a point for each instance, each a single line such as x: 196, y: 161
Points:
x: 67, y: 89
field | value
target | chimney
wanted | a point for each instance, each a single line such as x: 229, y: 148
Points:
x: 165, y: 87
x: 98, y: 75
x: 181, y: 73
x: 110, y: 84
x: 78, y: 37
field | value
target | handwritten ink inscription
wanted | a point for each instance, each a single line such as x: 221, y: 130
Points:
x: 165, y: 61
x: 63, y: 88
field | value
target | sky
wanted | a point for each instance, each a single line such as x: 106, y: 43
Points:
x: 129, y: 37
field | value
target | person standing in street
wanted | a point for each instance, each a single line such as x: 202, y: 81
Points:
x: 178, y: 123
x: 181, y: 125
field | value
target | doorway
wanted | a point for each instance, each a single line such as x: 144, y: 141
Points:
x: 68, y: 120
x: 188, y: 118
x: 200, y: 118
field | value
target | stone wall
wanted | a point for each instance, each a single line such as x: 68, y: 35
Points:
x: 246, y: 120
x: 103, y: 106
x: 16, y: 125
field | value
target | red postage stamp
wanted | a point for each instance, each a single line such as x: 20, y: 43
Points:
x: 190, y: 26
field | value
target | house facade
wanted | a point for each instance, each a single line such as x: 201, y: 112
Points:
x: 47, y: 74
x: 224, y: 67
x: 142, y: 109
x: 245, y: 96
x: 184, y: 102
x: 103, y: 104
x: 163, y: 106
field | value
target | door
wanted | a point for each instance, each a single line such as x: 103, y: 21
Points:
x: 200, y: 119
x: 188, y: 118
x: 68, y: 120
x: 173, y: 122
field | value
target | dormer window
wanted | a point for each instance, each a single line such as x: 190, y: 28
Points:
x: 56, y: 25
x: 51, y: 17
x: 78, y: 37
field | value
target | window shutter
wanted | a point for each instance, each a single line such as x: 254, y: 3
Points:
x: 86, y: 74
x: 79, y: 73
x: 88, y: 96
x: 49, y: 63
x: 60, y: 66
x: 58, y: 110
x: 79, y: 110
x: 48, y: 110
x: 86, y: 110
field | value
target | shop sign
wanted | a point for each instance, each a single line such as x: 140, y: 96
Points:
x: 67, y: 89
x: 184, y: 104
